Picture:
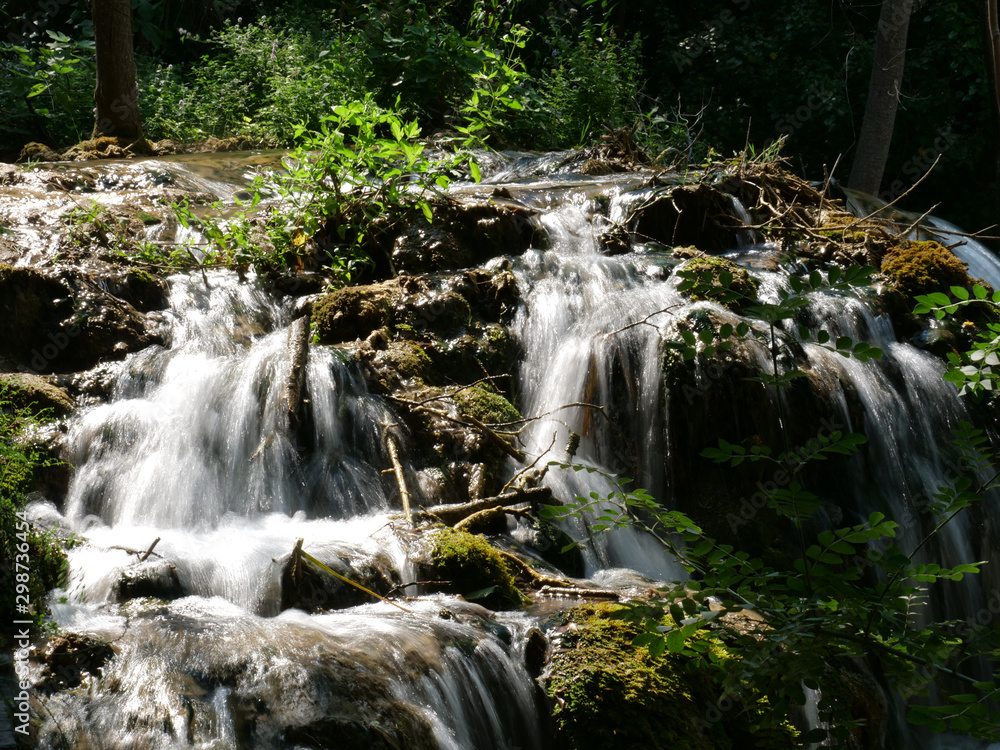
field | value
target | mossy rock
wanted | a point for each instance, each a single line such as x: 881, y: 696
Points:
x: 352, y: 313
x: 474, y: 569
x: 609, y: 693
x: 486, y: 405
x: 742, y: 282
x: 924, y: 267
x: 35, y: 394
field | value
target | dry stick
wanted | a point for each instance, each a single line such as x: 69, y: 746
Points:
x: 452, y: 514
x: 148, y: 552
x: 397, y: 467
x: 896, y: 200
x: 644, y: 321
x: 914, y: 224
x: 528, y: 468
x: 829, y: 179
x: 298, y: 552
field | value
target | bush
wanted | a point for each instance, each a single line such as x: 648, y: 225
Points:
x: 262, y: 79
x: 591, y: 81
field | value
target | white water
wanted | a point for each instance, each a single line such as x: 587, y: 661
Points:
x: 193, y: 449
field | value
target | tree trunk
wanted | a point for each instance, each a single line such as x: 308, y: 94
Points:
x: 116, y: 95
x: 883, y: 96
x: 992, y: 47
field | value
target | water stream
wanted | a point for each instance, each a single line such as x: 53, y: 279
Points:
x: 192, y: 448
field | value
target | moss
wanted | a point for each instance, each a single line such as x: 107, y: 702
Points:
x: 836, y: 227
x: 655, y: 702
x: 351, y: 313
x: 486, y: 405
x: 474, y: 569
x: 924, y: 267
x: 409, y: 360
x: 742, y: 282
x: 36, y: 395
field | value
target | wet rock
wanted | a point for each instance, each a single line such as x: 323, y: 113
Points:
x: 306, y: 587
x: 62, y: 321
x: 68, y: 657
x: 463, y: 234
x: 536, y: 650
x: 156, y: 579
x: 700, y: 216
x: 34, y: 393
x: 141, y: 289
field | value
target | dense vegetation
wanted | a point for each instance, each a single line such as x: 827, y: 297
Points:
x: 724, y: 73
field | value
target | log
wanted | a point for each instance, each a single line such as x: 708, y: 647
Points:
x: 298, y: 355
x: 453, y: 514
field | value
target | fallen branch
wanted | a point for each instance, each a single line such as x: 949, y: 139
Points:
x: 484, y: 519
x: 143, y: 556
x: 298, y: 355
x: 452, y: 514
x: 397, y: 469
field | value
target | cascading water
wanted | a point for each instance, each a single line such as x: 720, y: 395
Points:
x: 194, y: 449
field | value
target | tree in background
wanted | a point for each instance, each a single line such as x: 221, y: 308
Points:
x: 883, y: 96
x: 117, y: 94
x: 992, y: 49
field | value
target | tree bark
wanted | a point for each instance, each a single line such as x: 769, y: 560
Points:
x: 991, y: 21
x: 116, y: 95
x: 883, y: 96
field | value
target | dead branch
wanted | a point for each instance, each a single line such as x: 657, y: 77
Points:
x: 452, y: 514
x: 397, y: 468
x: 298, y: 355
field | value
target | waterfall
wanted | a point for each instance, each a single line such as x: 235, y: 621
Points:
x: 194, y: 449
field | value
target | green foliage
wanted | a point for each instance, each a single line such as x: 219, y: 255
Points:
x: 471, y: 567
x: 261, y: 80
x: 590, y: 81
x: 33, y: 561
x: 47, y: 90
x: 974, y: 371
x: 851, y: 593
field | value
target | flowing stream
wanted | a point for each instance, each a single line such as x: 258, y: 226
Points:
x: 193, y: 449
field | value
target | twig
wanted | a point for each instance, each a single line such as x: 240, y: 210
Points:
x: 899, y: 198
x: 528, y: 468
x: 298, y: 552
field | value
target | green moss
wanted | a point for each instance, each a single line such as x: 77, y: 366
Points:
x: 924, y: 267
x: 609, y: 693
x: 486, y: 405
x: 351, y: 313
x: 841, y: 227
x: 409, y: 360
x: 35, y: 395
x: 742, y: 282
x: 473, y: 569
